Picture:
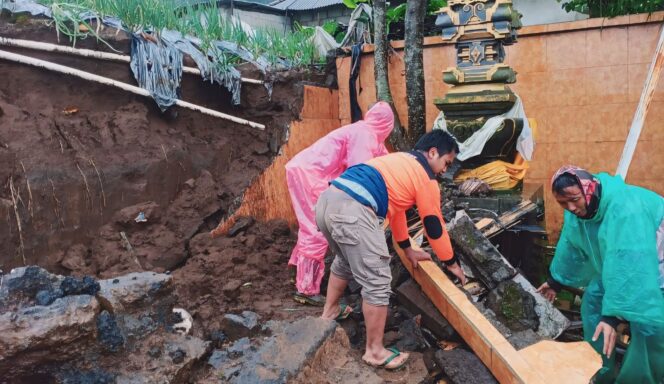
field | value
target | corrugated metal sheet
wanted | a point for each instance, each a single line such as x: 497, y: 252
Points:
x: 304, y: 5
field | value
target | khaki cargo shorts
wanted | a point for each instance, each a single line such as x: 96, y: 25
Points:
x: 355, y: 235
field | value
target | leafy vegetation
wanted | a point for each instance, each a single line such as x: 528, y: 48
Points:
x: 612, y: 8
x: 202, y: 21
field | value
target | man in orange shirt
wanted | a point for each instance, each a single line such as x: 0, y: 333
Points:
x: 350, y: 215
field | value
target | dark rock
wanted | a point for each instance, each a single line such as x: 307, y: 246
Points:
x: 46, y: 297
x: 218, y: 338
x: 523, y: 339
x: 154, y: 352
x: 108, y: 332
x: 513, y: 306
x: 463, y: 367
x: 22, y: 284
x: 76, y: 286
x: 239, y: 326
x: 65, y: 329
x: 239, y: 348
x: 241, y: 224
x: 411, y: 296
x: 88, y: 377
x: 177, y: 356
x: 135, y: 290
x: 478, y: 252
x: 280, y: 357
x: 218, y: 358
x: 410, y: 336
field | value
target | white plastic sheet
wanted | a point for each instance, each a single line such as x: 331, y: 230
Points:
x: 474, y: 145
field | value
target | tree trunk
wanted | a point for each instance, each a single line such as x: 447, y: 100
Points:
x: 383, y: 93
x: 415, y: 13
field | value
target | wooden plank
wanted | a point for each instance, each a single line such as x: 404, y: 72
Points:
x: 491, y: 227
x: 540, y: 363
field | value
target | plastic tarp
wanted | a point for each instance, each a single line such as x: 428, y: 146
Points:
x: 20, y: 6
x: 474, y: 145
x: 323, y: 42
x: 356, y: 28
x: 157, y: 67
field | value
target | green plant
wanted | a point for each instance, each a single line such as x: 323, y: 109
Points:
x: 611, y: 8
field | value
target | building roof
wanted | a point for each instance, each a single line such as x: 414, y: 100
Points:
x: 303, y: 5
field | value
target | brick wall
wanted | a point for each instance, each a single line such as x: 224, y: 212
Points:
x: 580, y: 80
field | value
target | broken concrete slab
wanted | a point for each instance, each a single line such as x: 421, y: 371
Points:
x: 64, y: 329
x: 239, y: 326
x: 173, y: 364
x: 132, y: 291
x: 513, y: 306
x: 552, y: 322
x: 411, y: 296
x: 478, y: 252
x: 463, y: 367
x: 279, y: 357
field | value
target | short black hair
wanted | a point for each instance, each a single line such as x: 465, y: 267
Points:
x: 439, y: 139
x: 563, y: 181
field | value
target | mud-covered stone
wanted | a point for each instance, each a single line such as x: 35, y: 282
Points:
x: 241, y: 224
x: 239, y: 326
x: 279, y: 357
x: 478, y: 252
x: 23, y: 284
x: 65, y: 329
x: 79, y: 286
x: 133, y: 290
x: 108, y: 332
x: 513, y: 306
x: 463, y: 367
x: 411, y: 296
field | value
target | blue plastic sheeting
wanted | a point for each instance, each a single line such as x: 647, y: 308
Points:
x: 157, y: 68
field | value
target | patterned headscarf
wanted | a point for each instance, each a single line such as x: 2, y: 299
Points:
x: 590, y: 185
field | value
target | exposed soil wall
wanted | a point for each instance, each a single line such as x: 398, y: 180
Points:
x: 80, y: 179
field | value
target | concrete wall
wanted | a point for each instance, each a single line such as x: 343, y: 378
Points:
x: 339, y: 13
x: 544, y: 12
x: 580, y: 80
x: 261, y: 20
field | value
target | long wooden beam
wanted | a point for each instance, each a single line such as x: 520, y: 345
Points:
x: 548, y: 362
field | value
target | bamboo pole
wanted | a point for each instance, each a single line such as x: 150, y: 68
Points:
x: 118, y: 84
x: 642, y: 110
x: 89, y: 53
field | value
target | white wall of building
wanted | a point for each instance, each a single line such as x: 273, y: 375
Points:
x: 544, y: 12
x: 261, y: 20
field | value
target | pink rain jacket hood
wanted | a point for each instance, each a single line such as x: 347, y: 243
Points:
x: 347, y: 146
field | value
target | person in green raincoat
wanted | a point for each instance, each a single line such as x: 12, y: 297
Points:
x: 611, y: 245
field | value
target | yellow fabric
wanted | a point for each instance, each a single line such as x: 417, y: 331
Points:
x: 500, y: 175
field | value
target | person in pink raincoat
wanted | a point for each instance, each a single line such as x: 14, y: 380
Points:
x: 308, y: 175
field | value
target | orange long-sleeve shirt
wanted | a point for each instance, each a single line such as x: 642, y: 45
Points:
x: 408, y: 180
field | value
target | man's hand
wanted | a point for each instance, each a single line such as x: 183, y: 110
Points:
x: 546, y: 291
x: 609, y: 337
x: 416, y: 256
x: 458, y: 272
